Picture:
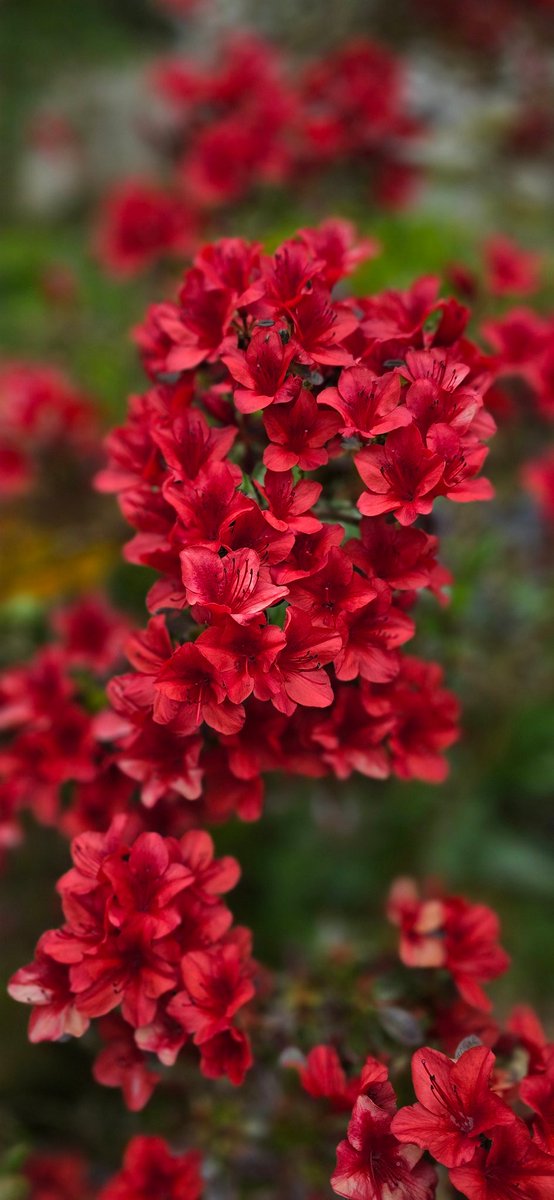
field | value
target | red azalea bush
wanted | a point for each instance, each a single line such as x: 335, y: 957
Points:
x: 273, y: 473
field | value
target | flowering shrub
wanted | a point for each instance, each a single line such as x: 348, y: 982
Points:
x: 285, y: 596
x: 279, y: 474
x: 248, y: 120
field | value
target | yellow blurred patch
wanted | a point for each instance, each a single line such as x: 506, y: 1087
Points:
x: 44, y: 563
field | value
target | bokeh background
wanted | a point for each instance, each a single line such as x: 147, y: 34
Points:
x: 75, y: 107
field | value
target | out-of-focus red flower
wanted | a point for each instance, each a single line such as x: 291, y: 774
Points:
x: 448, y: 931
x: 60, y: 1176
x: 538, y: 477
x: 151, y: 1172
x: 509, y: 270
x: 41, y: 412
x: 139, y: 224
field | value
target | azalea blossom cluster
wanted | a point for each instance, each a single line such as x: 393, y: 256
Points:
x: 273, y: 473
x: 483, y: 1113
x: 148, y: 939
x: 41, y: 413
x: 249, y: 120
x: 480, y: 1122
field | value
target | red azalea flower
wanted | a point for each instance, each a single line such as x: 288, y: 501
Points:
x: 523, y: 1023
x: 45, y: 985
x: 250, y: 530
x: 400, y: 476
x: 217, y: 983
x: 351, y: 739
x: 297, y: 676
x: 189, y: 445
x: 289, y: 275
x: 514, y: 1166
x: 92, y: 633
x: 367, y: 404
x: 151, y: 1172
x: 509, y: 269
x: 262, y: 370
x: 126, y: 969
x: 290, y: 504
x: 309, y: 552
x: 401, y: 556
x: 197, y: 325
x: 456, y: 1105
x: 228, y: 1053
x: 236, y: 585
x: 233, y: 264
x: 298, y: 434
x: 373, y: 1165
x: 336, y: 244
x: 205, y: 505
x: 371, y: 637
x: 140, y: 223
x: 145, y: 885
x: 190, y: 689
x: 426, y: 721
x: 243, y: 653
x: 421, y: 923
x: 57, y: 1177
x: 538, y: 477
x: 333, y: 590
x: 162, y: 760
x: 122, y: 1064
x: 537, y: 1091
x: 320, y: 329
x: 473, y: 955
x: 164, y: 1037
x: 323, y: 1076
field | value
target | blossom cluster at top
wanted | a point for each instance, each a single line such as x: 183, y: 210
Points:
x: 41, y: 413
x: 273, y: 473
x: 249, y: 120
